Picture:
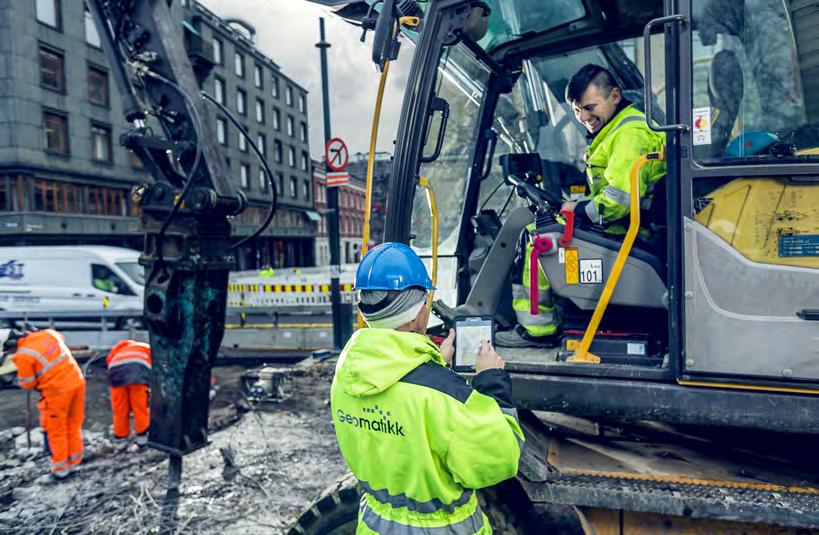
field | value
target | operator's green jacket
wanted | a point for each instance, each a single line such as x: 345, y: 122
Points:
x: 417, y: 437
x: 609, y: 160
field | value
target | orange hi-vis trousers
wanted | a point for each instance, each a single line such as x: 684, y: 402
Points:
x: 126, y: 400
x: 61, y: 416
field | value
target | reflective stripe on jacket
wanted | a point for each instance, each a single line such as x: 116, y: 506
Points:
x: 611, y: 156
x: 44, y: 362
x: 545, y: 323
x: 129, y: 363
x: 417, y: 437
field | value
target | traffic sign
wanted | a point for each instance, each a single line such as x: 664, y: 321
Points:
x: 338, y: 178
x: 336, y: 154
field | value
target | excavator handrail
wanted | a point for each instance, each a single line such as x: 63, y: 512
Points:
x: 582, y: 354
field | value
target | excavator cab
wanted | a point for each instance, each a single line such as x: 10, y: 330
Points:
x: 712, y: 316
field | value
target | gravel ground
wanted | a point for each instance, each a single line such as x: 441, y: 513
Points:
x: 261, y: 469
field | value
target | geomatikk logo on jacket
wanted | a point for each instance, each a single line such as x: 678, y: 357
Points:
x: 381, y: 425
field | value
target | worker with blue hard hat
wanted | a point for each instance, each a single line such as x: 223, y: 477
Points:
x: 415, y: 434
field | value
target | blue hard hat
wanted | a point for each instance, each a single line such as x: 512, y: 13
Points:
x: 391, y: 266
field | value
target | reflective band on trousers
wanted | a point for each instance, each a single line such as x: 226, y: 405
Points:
x: 469, y: 526
x: 402, y: 500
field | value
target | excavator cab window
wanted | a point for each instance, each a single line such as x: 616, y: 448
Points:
x: 752, y: 101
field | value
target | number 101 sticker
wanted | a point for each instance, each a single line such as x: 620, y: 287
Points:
x: 591, y: 271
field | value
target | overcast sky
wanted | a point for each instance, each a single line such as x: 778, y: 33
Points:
x: 287, y: 31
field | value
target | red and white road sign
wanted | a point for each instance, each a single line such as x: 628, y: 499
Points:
x: 336, y: 154
x: 337, y: 178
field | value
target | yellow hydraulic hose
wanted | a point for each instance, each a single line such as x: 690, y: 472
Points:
x: 582, y: 354
x: 368, y: 196
x: 433, y: 212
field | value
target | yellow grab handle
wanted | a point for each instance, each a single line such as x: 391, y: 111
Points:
x: 433, y: 212
x: 583, y: 354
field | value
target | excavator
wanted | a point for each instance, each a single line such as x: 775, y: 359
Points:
x: 684, y: 396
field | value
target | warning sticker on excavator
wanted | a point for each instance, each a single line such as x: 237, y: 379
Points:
x: 572, y: 267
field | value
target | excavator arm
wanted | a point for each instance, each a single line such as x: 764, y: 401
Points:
x: 185, y: 212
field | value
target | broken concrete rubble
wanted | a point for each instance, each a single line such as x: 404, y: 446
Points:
x: 278, y: 462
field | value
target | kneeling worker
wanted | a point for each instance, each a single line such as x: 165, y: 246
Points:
x: 129, y: 373
x: 45, y: 363
x: 416, y: 436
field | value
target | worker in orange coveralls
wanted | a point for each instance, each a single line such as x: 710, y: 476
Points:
x: 129, y: 373
x: 45, y: 363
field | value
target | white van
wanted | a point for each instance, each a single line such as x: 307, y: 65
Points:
x: 80, y: 278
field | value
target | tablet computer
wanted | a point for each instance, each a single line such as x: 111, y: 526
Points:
x: 469, y: 333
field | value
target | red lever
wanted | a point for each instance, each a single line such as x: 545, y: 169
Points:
x: 540, y: 244
x: 568, y: 230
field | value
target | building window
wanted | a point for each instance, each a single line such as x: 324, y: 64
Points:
x: 239, y: 64
x: 261, y: 143
x: 280, y: 183
x: 98, y: 86
x: 219, y: 90
x: 302, y: 103
x: 259, y: 110
x: 294, y: 184
x: 100, y: 143
x: 277, y: 151
x: 107, y: 201
x: 274, y: 87
x: 244, y: 176
x: 303, y: 132
x: 291, y: 156
x: 257, y: 76
x: 304, y: 160
x: 56, y: 132
x: 290, y: 126
x: 306, y: 190
x: 288, y: 95
x: 243, y: 139
x: 49, y: 13
x: 221, y: 131
x: 264, y: 185
x: 52, y: 74
x: 218, y: 58
x: 92, y: 37
x: 241, y: 101
x: 277, y: 119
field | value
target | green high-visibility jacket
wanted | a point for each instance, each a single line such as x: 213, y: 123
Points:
x: 610, y: 158
x: 417, y: 437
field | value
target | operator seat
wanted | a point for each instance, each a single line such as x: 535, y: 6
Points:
x: 642, y: 283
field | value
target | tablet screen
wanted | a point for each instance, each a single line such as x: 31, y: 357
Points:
x: 469, y: 333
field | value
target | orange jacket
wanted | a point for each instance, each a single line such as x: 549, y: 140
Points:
x: 44, y: 362
x: 129, y: 363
